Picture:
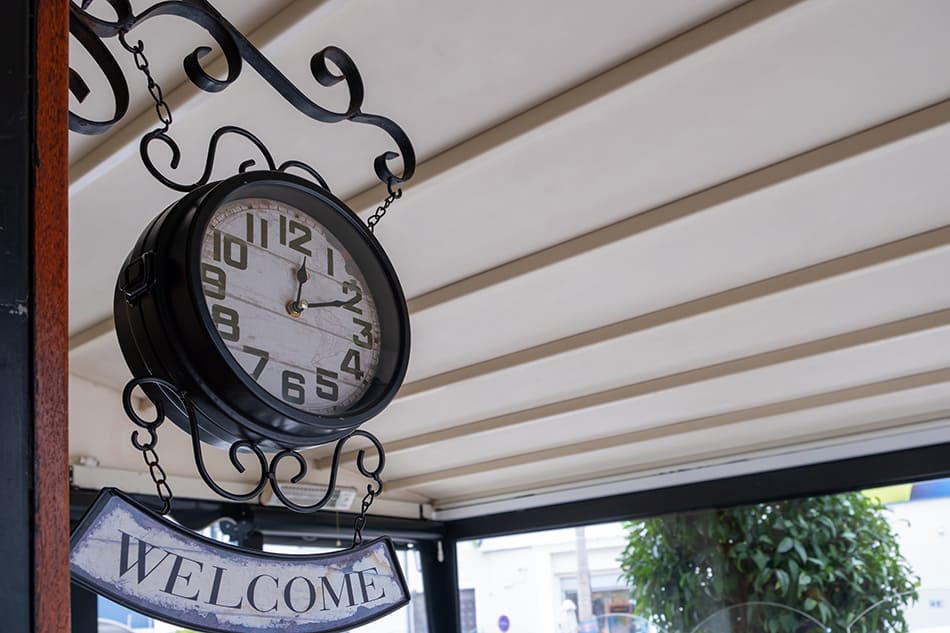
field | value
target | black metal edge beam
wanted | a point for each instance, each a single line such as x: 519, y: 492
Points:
x: 440, y: 584
x: 869, y: 471
x: 17, y: 129
x: 284, y: 524
x: 84, y: 609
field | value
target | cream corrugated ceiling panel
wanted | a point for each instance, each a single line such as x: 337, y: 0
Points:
x: 763, y: 435
x: 665, y: 405
x: 711, y: 343
x: 846, y: 207
x: 729, y: 245
x: 657, y: 129
x: 425, y: 64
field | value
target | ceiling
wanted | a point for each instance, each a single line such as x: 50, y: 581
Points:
x: 644, y: 238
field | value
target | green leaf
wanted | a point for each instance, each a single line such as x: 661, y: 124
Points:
x: 760, y: 560
x: 786, y: 544
x: 783, y: 579
x: 800, y: 549
x: 810, y: 604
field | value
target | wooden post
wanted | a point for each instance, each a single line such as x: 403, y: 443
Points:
x: 34, y: 530
x: 50, y: 323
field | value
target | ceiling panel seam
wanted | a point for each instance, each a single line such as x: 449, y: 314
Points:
x: 704, y: 423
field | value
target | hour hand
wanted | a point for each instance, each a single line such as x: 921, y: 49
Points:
x: 296, y: 307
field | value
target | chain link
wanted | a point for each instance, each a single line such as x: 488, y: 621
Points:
x: 384, y: 207
x: 158, y: 475
x: 360, y: 521
x: 162, y: 110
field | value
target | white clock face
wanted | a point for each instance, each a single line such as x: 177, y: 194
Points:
x: 290, y: 304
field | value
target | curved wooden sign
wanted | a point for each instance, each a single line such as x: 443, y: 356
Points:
x: 138, y: 559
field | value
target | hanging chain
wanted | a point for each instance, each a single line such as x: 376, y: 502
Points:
x: 360, y: 522
x: 141, y: 62
x: 384, y: 207
x: 147, y: 447
x: 159, y: 477
x: 155, y: 470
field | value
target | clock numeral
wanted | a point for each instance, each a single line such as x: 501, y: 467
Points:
x: 292, y: 387
x: 351, y: 364
x: 233, y: 249
x: 326, y: 387
x: 262, y: 358
x: 352, y: 286
x: 226, y: 319
x: 365, y: 337
x: 215, y: 280
x: 330, y: 261
x: 249, y: 232
x: 297, y: 243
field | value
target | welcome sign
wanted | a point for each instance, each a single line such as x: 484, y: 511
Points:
x: 135, y: 557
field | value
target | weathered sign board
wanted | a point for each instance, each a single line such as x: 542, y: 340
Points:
x: 140, y: 560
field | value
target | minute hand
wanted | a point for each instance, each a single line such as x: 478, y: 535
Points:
x: 327, y: 304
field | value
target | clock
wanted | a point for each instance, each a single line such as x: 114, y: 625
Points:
x: 269, y: 303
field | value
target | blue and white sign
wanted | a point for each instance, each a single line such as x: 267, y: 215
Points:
x: 504, y: 623
x: 138, y: 559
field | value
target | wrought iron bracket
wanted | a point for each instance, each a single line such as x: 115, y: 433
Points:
x: 267, y: 465
x: 90, y: 31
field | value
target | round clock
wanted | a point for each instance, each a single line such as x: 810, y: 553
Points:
x: 270, y: 304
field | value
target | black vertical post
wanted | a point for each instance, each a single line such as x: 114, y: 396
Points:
x: 16, y: 371
x: 440, y: 583
x: 85, y: 610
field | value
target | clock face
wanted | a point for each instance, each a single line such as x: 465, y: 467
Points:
x: 290, y: 304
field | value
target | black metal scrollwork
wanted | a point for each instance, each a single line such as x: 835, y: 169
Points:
x: 160, y: 135
x: 268, y: 468
x: 89, y: 30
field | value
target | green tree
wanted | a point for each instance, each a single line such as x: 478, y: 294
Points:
x: 831, y: 558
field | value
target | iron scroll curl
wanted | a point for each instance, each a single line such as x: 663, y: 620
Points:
x: 89, y: 30
x: 267, y: 467
x: 161, y: 135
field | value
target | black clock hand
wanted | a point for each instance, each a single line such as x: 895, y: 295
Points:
x: 295, y: 307
x: 325, y: 304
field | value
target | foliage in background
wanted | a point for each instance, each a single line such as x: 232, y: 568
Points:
x: 831, y: 557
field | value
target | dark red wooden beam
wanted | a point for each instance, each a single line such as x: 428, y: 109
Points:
x: 50, y: 324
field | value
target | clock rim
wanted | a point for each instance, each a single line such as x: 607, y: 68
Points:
x: 161, y: 335
x: 391, y: 303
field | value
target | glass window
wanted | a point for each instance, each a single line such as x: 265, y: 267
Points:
x: 410, y: 619
x: 861, y: 562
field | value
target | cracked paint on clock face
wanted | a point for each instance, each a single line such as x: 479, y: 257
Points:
x: 290, y: 304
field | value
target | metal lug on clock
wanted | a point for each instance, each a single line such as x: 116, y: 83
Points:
x: 138, y: 277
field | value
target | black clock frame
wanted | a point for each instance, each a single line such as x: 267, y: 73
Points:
x: 165, y: 329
